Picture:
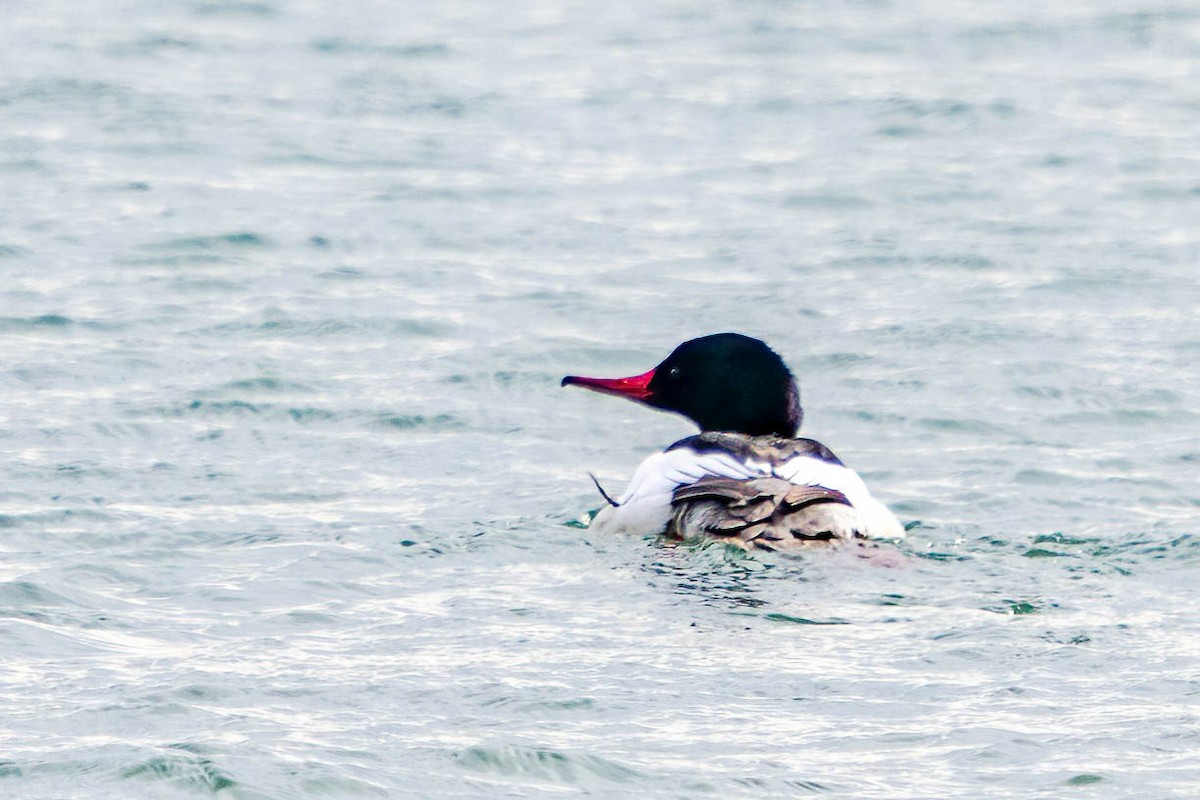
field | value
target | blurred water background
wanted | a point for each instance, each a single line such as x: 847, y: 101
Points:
x: 289, y: 491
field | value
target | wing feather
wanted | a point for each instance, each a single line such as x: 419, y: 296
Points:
x: 762, y: 512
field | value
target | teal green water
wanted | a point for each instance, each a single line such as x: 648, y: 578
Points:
x: 289, y: 491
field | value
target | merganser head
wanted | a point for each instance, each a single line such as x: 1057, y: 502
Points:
x: 723, y: 382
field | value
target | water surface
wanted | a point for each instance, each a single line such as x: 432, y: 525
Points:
x: 290, y: 493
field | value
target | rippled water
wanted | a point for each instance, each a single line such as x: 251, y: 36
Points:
x: 290, y: 494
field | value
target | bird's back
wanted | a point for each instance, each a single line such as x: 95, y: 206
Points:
x: 763, y: 513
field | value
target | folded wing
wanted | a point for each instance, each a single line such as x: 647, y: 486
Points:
x: 765, y: 513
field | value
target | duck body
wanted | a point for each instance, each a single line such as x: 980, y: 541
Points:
x: 746, y: 479
x: 763, y: 492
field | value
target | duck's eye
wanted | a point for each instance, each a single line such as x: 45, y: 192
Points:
x: 673, y: 373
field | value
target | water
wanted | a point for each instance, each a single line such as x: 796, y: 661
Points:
x: 289, y: 485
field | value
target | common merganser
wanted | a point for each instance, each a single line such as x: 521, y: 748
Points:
x: 745, y: 479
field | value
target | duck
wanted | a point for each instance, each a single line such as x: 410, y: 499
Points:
x: 747, y: 479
